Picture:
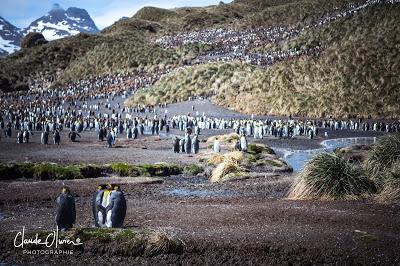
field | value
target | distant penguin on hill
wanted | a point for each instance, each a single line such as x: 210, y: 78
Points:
x: 109, y: 206
x: 65, y: 210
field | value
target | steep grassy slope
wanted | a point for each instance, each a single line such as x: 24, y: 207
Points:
x: 70, y: 53
x: 358, y: 74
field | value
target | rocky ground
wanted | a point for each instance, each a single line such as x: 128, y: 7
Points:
x: 239, y: 222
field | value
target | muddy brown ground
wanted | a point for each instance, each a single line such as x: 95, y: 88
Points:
x: 246, y: 222
x: 241, y: 222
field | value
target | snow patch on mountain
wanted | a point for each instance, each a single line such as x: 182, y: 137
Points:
x: 60, y: 23
x: 10, y: 37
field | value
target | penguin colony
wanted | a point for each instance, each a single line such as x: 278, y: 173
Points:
x: 108, y: 204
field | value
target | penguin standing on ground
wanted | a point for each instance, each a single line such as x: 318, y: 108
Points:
x: 101, y: 134
x: 129, y: 133
x: 65, y: 210
x: 20, y: 137
x: 176, y: 145
x: 44, y: 139
x: 195, y: 144
x: 217, y: 146
x: 110, y: 139
x: 243, y: 143
x: 188, y: 144
x: 109, y: 206
x: 26, y: 135
x: 72, y: 135
x: 56, y: 137
x: 182, y: 145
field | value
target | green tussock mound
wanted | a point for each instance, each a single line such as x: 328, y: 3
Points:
x: 383, y: 156
x: 125, y: 169
x: 256, y: 149
x: 327, y: 176
x: 260, y: 159
x: 52, y: 171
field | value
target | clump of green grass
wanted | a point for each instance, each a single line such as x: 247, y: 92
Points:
x: 49, y: 171
x: 329, y: 176
x: 162, y: 169
x: 92, y: 170
x: 16, y: 171
x: 192, y: 169
x: 257, y: 149
x: 381, y: 158
x: 122, y: 169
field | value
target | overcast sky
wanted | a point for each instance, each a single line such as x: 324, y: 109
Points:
x: 104, y: 12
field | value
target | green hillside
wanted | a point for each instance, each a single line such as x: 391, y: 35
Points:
x: 149, y: 22
x: 359, y: 73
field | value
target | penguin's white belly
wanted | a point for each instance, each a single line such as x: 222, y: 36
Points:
x: 105, y: 221
x: 108, y: 222
x: 100, y: 219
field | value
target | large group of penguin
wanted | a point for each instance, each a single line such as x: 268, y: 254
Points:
x: 109, y: 207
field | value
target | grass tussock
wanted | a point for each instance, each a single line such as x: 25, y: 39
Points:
x: 192, y: 169
x: 256, y: 149
x: 215, y: 159
x: 162, y: 169
x: 327, y: 176
x: 390, y: 191
x: 383, y: 156
x: 227, y: 168
x: 52, y: 171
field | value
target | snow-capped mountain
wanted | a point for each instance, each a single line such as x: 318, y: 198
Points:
x: 60, y: 23
x: 10, y: 37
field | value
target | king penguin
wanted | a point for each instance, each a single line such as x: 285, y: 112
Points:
x: 109, y: 206
x: 65, y: 209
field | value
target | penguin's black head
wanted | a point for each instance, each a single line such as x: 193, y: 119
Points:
x: 65, y: 190
x: 109, y: 187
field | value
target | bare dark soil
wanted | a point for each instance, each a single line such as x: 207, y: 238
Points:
x: 240, y: 222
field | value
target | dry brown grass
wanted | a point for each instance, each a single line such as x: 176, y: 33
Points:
x: 216, y: 159
x: 227, y: 167
x: 160, y: 242
x: 390, y: 192
x: 237, y: 156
